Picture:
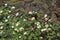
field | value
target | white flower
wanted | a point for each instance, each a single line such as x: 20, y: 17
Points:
x: 9, y: 11
x: 19, y: 36
x: 25, y: 33
x: 8, y: 17
x: 5, y: 4
x: 24, y: 20
x: 16, y: 29
x: 45, y: 15
x: 1, y: 23
x: 43, y: 29
x: 17, y: 23
x: 30, y: 12
x: 13, y: 32
x: 17, y: 14
x: 1, y: 27
x: 12, y: 26
x: 34, y: 12
x: 33, y: 18
x: 49, y: 28
x: 50, y: 20
x: 41, y: 37
x: 46, y: 19
x: 50, y: 25
x: 38, y: 26
x: 21, y: 28
x: 1, y: 32
x: 13, y: 7
x: 37, y: 23
x: 46, y: 25
x: 1, y: 11
x: 6, y: 20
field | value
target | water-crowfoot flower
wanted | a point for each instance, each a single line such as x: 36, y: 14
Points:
x: 19, y: 36
x: 46, y: 19
x: 6, y: 20
x: 17, y: 14
x: 8, y: 16
x: 49, y: 29
x: 35, y: 12
x: 30, y: 12
x: 12, y: 26
x: 6, y: 4
x: 16, y: 29
x: 24, y: 19
x: 9, y: 11
x: 33, y: 18
x: 50, y: 20
x: 41, y: 37
x: 13, y: 32
x: 46, y: 25
x: 1, y: 11
x: 45, y: 29
x: 45, y: 15
x: 38, y: 26
x: 25, y: 33
x: 1, y: 32
x: 1, y: 23
x: 21, y: 28
x: 1, y: 27
x: 17, y: 23
x: 13, y: 7
x: 37, y: 23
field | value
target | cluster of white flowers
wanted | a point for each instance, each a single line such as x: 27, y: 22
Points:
x: 38, y: 26
x: 34, y: 11
x: 46, y: 17
x: 31, y: 12
x: 46, y: 29
x: 38, y: 23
